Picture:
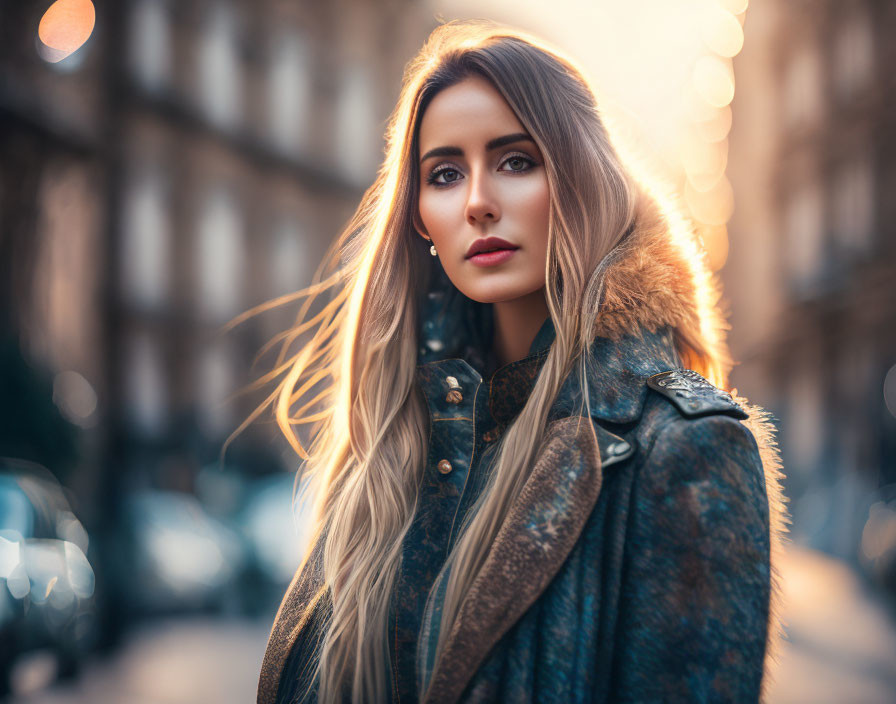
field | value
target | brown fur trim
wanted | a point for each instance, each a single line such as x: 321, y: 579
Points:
x: 658, y: 278
x: 763, y: 430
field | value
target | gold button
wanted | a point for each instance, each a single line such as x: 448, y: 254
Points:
x: 454, y: 393
x: 445, y: 466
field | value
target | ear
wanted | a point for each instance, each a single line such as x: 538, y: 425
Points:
x: 418, y: 226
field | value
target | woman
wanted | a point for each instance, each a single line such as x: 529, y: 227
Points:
x: 526, y: 488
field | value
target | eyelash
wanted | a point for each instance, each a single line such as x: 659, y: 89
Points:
x: 434, y: 174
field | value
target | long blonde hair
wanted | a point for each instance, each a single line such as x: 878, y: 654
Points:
x: 353, y: 381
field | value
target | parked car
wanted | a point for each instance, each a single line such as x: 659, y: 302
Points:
x: 185, y: 559
x: 46, y: 581
x: 276, y: 528
x: 232, y: 547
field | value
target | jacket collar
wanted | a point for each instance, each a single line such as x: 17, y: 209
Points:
x: 616, y: 379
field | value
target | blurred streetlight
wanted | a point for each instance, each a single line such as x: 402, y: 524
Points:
x: 64, y: 28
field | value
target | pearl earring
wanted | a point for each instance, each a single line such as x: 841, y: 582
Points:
x: 432, y: 250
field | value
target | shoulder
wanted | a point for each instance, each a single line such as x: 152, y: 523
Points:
x: 690, y: 435
x: 697, y: 581
x: 698, y: 507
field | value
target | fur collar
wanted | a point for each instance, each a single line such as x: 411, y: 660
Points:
x: 660, y: 278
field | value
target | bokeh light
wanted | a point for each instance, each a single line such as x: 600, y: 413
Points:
x: 717, y: 126
x: 890, y: 390
x: 704, y: 162
x: 879, y: 534
x: 64, y: 28
x: 714, y: 206
x: 721, y: 31
x: 735, y: 7
x: 714, y: 80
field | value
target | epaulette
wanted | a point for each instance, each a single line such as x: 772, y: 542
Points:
x: 693, y: 395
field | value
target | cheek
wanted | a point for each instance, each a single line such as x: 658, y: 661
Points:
x: 542, y: 213
x: 438, y: 214
x: 539, y: 214
x: 534, y: 207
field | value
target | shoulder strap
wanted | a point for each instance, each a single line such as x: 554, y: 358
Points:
x: 693, y: 395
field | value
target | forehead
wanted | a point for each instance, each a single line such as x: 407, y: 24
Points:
x: 466, y: 113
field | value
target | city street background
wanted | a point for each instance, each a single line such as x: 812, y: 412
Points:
x: 166, y: 165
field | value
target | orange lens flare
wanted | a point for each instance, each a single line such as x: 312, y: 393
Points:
x: 64, y: 28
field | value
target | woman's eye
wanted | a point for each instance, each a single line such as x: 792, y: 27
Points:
x: 519, y: 163
x: 443, y: 177
x: 516, y: 163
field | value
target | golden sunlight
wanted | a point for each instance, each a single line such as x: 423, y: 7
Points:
x: 714, y: 80
x: 664, y: 77
x: 715, y: 127
x: 721, y: 31
x: 713, y: 206
x: 704, y: 162
x: 64, y: 28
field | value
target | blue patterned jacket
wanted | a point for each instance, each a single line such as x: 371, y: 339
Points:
x: 637, y: 564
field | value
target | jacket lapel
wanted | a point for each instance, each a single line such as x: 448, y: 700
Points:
x: 295, y: 612
x: 538, y: 535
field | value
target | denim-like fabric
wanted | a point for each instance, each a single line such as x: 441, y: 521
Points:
x: 465, y: 434
x: 665, y: 593
x: 664, y: 597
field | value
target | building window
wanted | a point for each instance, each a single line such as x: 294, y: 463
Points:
x: 802, y: 87
x: 216, y: 382
x: 219, y: 256
x: 355, y: 123
x: 853, y: 55
x: 145, y: 384
x: 219, y: 67
x: 64, y: 316
x: 288, y: 260
x: 289, y: 92
x: 151, y: 42
x: 146, y: 240
x: 853, y: 204
x: 804, y: 226
x: 804, y: 421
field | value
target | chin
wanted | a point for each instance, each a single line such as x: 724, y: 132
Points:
x: 497, y: 295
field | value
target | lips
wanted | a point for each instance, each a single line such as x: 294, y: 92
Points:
x: 488, y: 244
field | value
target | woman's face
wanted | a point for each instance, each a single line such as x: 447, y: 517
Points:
x: 482, y: 176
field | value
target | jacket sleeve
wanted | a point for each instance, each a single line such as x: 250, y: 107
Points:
x: 695, y: 589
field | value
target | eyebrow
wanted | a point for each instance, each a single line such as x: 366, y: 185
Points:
x: 495, y: 143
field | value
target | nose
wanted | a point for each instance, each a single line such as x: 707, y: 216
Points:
x: 482, y: 200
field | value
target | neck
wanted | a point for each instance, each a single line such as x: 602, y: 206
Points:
x: 516, y: 324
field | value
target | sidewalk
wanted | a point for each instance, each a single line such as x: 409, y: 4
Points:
x: 172, y: 662
x: 841, y: 650
x: 841, y: 646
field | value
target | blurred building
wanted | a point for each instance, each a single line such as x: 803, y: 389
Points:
x: 190, y: 161
x: 812, y: 262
